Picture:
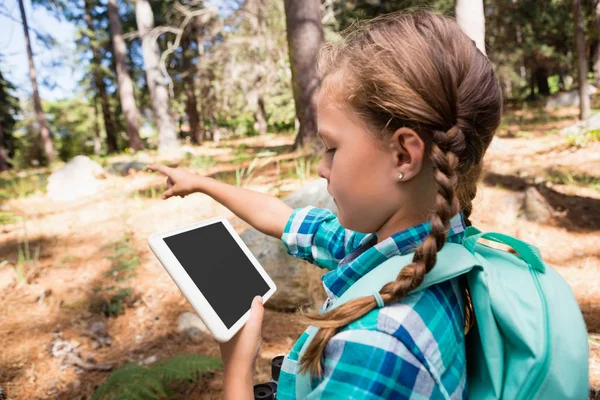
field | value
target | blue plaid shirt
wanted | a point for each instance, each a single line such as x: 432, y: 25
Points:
x: 414, y: 349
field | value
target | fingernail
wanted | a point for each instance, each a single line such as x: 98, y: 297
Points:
x: 257, y: 299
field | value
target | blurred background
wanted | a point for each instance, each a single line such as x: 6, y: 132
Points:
x: 93, y: 90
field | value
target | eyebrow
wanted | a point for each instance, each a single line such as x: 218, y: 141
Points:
x: 325, y: 134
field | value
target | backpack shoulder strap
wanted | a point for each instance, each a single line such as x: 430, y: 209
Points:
x: 452, y: 261
x: 529, y: 253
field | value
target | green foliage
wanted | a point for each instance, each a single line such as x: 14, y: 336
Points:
x: 134, y: 381
x: 303, y: 168
x: 111, y: 300
x: 124, y: 259
x: 9, y: 109
x: 26, y: 261
x: 568, y: 177
x: 201, y: 162
x: 72, y: 125
x: 18, y: 185
x: 581, y: 140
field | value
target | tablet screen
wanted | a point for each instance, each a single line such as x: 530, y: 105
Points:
x: 220, y: 269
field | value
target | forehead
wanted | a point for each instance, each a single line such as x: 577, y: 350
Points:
x: 334, y: 117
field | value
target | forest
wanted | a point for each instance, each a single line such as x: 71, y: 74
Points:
x: 225, y: 88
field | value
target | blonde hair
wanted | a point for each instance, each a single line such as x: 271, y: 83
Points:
x: 416, y: 70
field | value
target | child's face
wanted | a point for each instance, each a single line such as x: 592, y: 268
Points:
x: 361, y: 175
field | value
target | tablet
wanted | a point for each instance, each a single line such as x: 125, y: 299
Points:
x: 215, y: 271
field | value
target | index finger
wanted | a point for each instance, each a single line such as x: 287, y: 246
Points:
x: 159, y: 168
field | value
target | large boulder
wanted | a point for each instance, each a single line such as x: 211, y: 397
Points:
x: 78, y: 178
x: 581, y: 127
x: 567, y: 99
x: 298, y: 282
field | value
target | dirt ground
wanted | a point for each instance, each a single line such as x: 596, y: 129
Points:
x: 79, y: 240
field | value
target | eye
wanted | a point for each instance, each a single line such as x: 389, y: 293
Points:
x: 330, y: 151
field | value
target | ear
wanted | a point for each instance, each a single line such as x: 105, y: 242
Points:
x: 408, y: 152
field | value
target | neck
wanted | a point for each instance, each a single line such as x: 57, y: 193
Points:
x: 399, y: 221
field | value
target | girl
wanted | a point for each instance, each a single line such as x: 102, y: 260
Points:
x: 406, y: 110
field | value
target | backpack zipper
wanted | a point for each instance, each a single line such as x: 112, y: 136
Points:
x: 536, y: 382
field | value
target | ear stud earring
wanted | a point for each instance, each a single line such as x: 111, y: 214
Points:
x: 400, y: 176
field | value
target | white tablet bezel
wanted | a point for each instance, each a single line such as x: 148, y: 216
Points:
x: 189, y: 289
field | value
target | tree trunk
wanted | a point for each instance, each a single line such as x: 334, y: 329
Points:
x: 597, y: 52
x: 541, y: 79
x: 3, y: 152
x: 304, y: 36
x: 167, y: 136
x: 130, y: 110
x: 37, y: 102
x: 97, y: 145
x: 471, y: 19
x: 584, y: 99
x: 98, y: 80
x: 190, y: 103
x: 260, y: 115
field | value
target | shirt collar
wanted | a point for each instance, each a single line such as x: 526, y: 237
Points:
x: 369, y: 254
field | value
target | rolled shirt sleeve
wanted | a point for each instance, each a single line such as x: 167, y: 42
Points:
x: 315, y: 235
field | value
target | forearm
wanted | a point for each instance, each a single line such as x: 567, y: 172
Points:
x: 264, y: 212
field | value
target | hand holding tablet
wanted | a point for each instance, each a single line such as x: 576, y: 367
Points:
x: 215, y: 271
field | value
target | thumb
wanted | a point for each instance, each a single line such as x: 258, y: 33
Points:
x: 256, y: 313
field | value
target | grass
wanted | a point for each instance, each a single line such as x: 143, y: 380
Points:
x: 111, y: 300
x: 18, y: 185
x: 581, y: 140
x: 566, y: 177
x: 303, y: 168
x: 151, y: 192
x: 202, y: 162
x: 26, y: 259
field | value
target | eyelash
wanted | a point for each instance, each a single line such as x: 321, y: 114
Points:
x: 330, y: 151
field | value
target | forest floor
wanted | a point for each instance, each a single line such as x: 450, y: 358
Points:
x: 92, y: 247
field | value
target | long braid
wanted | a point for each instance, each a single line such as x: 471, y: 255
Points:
x: 444, y: 150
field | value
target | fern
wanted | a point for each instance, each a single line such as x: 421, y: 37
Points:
x: 134, y: 381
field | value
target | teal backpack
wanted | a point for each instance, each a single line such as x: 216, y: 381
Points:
x: 529, y: 340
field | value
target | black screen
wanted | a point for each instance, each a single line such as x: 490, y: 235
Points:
x: 220, y: 269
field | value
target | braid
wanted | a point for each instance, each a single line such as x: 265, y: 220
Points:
x: 467, y: 190
x: 444, y: 150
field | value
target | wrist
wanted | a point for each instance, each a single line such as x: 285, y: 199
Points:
x: 199, y: 184
x: 238, y: 382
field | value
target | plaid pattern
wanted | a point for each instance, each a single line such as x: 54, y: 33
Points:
x: 413, y: 349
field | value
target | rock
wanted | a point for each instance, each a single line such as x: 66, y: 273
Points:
x: 77, y: 178
x: 535, y: 206
x: 100, y: 337
x: 298, y: 282
x: 567, y: 99
x: 191, y: 325
x: 150, y: 360
x: 581, y: 127
x: 126, y: 168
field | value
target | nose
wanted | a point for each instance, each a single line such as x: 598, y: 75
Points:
x: 323, y: 170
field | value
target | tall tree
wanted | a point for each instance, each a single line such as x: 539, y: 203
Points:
x: 37, y: 102
x: 470, y: 18
x: 130, y: 110
x: 9, y: 107
x: 597, y: 50
x: 98, y: 80
x: 305, y: 37
x: 584, y: 99
x: 167, y: 135
x: 188, y: 74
